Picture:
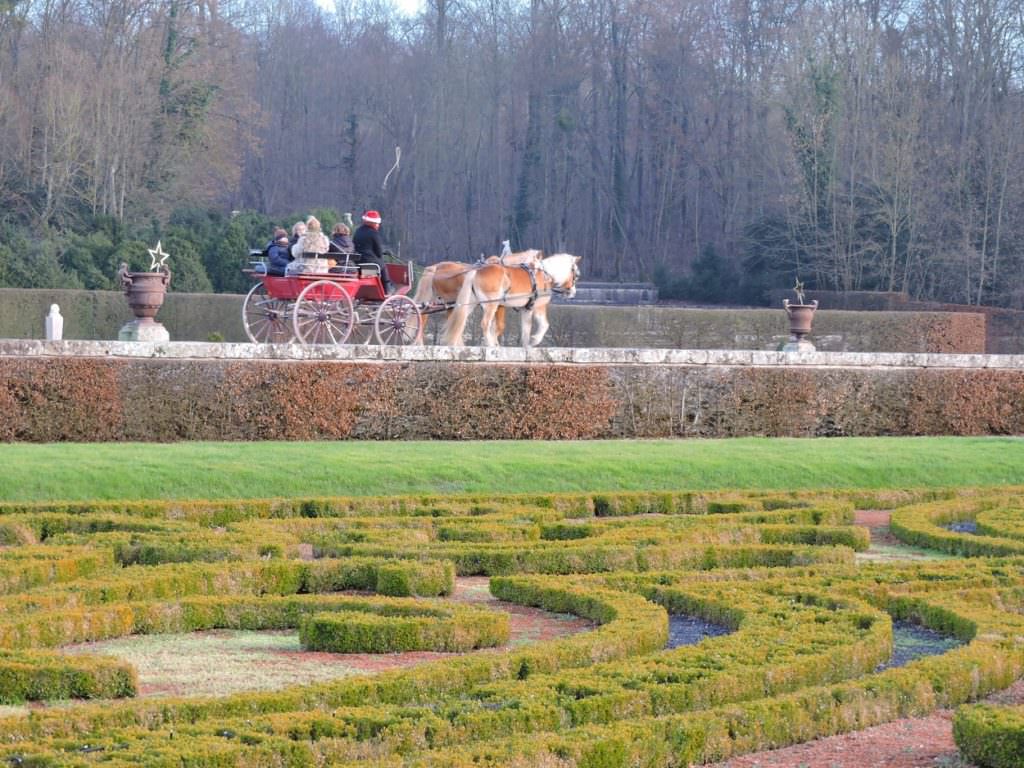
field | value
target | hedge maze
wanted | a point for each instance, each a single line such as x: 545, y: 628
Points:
x: 810, y: 626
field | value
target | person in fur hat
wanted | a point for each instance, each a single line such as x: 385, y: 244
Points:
x: 313, y: 241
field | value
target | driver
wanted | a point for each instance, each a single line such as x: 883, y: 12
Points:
x: 368, y: 245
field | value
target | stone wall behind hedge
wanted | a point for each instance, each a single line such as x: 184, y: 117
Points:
x: 203, y: 317
x: 50, y: 394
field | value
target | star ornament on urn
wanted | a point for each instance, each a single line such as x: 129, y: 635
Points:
x: 801, y: 315
x: 145, y: 293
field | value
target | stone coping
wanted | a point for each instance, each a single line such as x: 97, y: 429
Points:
x: 186, y: 350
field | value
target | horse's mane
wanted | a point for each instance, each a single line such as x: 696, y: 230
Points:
x: 559, y: 266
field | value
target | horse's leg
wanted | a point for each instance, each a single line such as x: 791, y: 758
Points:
x: 499, y: 321
x: 541, y: 315
x: 487, y: 325
x: 525, y: 323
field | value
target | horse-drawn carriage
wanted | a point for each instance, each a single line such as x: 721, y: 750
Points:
x: 320, y: 307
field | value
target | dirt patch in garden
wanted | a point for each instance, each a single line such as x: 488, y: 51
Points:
x: 222, y: 662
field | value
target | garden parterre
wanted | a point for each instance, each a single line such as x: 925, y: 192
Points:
x: 809, y: 625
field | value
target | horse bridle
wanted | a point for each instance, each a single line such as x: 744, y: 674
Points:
x: 558, y: 288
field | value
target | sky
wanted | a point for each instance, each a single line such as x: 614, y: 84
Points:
x: 406, y: 6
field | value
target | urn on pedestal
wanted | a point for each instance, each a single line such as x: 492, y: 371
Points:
x: 145, y: 293
x: 801, y: 316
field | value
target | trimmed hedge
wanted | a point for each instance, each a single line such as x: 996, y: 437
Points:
x: 436, y: 629
x: 44, y: 629
x: 29, y: 676
x: 62, y: 399
x: 926, y: 525
x: 992, y: 737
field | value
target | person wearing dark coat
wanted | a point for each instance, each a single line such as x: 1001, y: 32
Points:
x: 342, y: 249
x: 368, y: 245
x: 341, y: 240
x: 278, y: 231
x: 279, y: 254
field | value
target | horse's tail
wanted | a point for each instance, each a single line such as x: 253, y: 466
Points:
x: 425, y: 287
x: 464, y: 304
x: 424, y: 295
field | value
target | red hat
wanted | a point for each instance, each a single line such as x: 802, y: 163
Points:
x: 371, y: 217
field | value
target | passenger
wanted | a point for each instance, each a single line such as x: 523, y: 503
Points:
x: 342, y: 249
x: 278, y: 231
x: 341, y: 240
x: 312, y: 240
x: 369, y: 246
x: 298, y: 230
x: 279, y: 254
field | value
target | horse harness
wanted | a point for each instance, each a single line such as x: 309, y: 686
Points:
x: 533, y: 289
x: 535, y: 292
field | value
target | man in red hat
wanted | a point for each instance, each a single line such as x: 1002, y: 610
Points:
x: 368, y: 244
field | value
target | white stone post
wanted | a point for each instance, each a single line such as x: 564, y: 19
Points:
x: 54, y: 324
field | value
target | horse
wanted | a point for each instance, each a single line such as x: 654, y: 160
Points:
x: 494, y: 286
x: 440, y: 283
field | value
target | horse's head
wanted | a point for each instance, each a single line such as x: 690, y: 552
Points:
x: 564, y: 271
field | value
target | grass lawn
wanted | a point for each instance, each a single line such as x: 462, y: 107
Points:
x: 74, y: 471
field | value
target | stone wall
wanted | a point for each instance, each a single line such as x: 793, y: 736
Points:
x: 627, y: 294
x: 111, y: 391
x: 201, y: 317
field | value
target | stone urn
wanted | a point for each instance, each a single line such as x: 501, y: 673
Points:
x: 145, y: 293
x: 800, y: 318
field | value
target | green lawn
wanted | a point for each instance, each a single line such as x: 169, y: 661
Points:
x: 254, y: 470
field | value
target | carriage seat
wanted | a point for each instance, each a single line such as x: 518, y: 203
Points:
x: 344, y: 264
x: 398, y: 274
x: 309, y: 263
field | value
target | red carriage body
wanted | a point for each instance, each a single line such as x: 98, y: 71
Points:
x: 327, y: 308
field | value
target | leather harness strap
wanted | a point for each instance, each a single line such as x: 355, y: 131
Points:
x: 533, y: 286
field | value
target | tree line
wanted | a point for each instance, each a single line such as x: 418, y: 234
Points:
x: 718, y: 147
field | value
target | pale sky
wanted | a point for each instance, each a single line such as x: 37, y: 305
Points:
x: 408, y: 7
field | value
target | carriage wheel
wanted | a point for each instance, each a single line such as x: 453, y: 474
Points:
x: 266, y: 320
x: 323, y: 314
x: 398, y: 321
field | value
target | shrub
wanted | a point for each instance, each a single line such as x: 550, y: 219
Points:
x: 992, y: 737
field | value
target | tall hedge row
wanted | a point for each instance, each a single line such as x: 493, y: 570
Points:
x: 57, y: 399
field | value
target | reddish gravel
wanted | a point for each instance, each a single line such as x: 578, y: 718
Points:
x: 919, y: 742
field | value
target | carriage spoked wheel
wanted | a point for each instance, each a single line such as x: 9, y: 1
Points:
x: 323, y: 314
x: 398, y: 321
x: 267, y: 320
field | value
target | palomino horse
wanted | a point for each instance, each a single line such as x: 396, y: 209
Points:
x: 493, y: 286
x: 440, y: 283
